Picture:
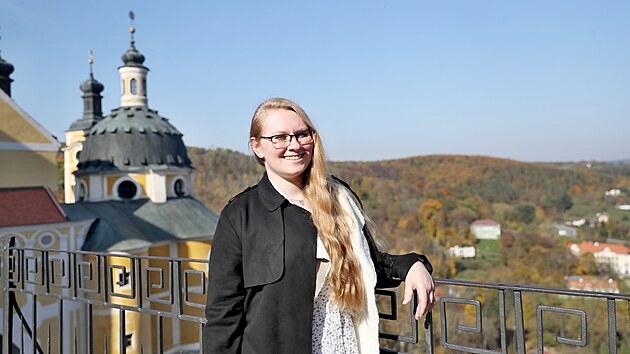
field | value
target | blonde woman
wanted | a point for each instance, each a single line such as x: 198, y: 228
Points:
x: 294, y: 264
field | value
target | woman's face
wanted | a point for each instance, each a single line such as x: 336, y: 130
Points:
x: 286, y: 163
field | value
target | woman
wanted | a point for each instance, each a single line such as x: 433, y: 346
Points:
x: 294, y: 265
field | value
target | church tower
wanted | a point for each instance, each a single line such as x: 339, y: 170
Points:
x: 133, y: 153
x: 92, y: 114
x: 133, y: 76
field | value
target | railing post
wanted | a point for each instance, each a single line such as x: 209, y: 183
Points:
x: 612, y: 326
x: 518, y: 322
x: 428, y: 332
x: 7, y: 313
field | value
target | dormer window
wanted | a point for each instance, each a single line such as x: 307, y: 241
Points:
x: 133, y: 86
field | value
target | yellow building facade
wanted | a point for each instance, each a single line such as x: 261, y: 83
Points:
x: 28, y: 153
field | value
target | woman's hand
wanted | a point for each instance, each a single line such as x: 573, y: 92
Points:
x: 419, y: 279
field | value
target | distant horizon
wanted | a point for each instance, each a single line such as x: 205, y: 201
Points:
x: 536, y: 81
x: 619, y: 161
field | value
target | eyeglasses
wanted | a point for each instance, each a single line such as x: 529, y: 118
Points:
x: 282, y: 141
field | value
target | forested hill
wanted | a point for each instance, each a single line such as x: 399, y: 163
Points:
x: 468, y: 187
x: 464, y: 181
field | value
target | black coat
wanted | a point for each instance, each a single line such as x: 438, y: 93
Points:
x: 262, y: 275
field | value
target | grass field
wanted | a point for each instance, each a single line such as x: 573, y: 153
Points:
x: 488, y: 249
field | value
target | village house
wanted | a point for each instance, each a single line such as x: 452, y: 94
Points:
x: 565, y: 231
x: 613, y: 193
x: 623, y: 206
x: 592, y: 283
x: 576, y: 222
x: 486, y: 229
x: 462, y: 251
x: 615, y: 256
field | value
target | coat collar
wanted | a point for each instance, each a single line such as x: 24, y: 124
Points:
x: 269, y: 196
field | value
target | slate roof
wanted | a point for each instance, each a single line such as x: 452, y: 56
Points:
x: 131, y: 139
x: 137, y: 224
x: 29, y: 206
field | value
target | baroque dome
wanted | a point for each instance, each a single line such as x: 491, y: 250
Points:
x: 132, y: 139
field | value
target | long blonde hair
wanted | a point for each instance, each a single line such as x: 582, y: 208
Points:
x: 328, y: 215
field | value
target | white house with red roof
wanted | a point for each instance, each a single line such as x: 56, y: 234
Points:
x: 486, y: 229
x: 615, y: 256
x: 592, y: 283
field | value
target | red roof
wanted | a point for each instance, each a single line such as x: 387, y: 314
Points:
x: 485, y: 223
x: 592, y: 247
x: 29, y: 206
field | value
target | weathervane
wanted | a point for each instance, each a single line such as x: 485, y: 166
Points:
x: 90, y: 61
x: 132, y: 29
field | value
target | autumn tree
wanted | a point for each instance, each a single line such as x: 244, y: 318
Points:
x: 432, y: 217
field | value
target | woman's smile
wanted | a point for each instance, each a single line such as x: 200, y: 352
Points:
x: 294, y: 157
x: 282, y: 162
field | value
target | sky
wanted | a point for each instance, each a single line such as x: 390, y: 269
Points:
x: 382, y: 79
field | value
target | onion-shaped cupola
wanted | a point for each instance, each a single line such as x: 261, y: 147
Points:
x: 91, y: 85
x: 92, y: 102
x: 132, y: 57
x: 6, y: 69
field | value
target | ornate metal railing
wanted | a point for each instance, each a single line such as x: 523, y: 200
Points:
x: 57, y: 301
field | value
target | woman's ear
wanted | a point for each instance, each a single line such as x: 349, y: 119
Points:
x: 256, y: 148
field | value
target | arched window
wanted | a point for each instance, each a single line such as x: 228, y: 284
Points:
x: 127, y: 190
x: 133, y: 86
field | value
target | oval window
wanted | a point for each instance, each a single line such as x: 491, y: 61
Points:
x: 46, y: 240
x: 127, y: 190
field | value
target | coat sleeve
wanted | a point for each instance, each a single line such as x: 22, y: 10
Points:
x: 223, y: 330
